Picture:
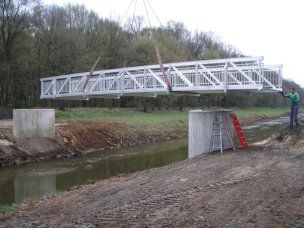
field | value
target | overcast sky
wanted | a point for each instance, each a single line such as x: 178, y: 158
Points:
x: 270, y: 28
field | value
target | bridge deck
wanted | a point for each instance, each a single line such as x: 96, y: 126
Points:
x: 207, y: 76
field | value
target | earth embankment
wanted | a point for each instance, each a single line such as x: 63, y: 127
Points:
x: 259, y: 187
x: 75, y: 138
x: 80, y: 131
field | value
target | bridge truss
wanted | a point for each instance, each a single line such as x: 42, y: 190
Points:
x: 189, y: 78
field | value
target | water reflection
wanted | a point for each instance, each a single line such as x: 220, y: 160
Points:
x: 30, y: 180
x: 29, y: 186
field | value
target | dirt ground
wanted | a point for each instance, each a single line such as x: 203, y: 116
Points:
x: 259, y: 187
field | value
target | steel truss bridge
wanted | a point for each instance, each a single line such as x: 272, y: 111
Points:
x: 186, y: 78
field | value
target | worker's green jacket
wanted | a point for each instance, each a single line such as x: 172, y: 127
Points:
x: 293, y: 97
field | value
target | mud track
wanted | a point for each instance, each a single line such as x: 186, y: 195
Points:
x: 259, y: 187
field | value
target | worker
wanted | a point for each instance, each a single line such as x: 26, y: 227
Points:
x: 294, y: 106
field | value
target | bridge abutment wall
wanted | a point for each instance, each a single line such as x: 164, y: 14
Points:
x: 201, y: 130
x: 34, y: 123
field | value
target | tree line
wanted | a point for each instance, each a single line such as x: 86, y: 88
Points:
x: 44, y: 40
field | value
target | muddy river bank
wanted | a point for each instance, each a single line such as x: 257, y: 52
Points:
x: 28, y: 181
x: 82, y: 137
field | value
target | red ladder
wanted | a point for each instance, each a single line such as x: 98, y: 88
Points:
x: 239, y: 131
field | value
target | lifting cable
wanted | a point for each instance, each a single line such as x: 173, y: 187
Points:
x: 158, y: 56
x: 98, y: 58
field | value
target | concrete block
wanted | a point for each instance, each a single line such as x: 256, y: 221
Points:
x: 33, y: 123
x: 201, y: 129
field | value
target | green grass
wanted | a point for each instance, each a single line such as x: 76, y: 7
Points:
x: 256, y: 112
x: 7, y: 208
x: 120, y: 116
x: 138, y: 117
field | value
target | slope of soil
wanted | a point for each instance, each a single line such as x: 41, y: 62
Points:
x: 81, y: 137
x: 288, y: 137
x: 254, y: 188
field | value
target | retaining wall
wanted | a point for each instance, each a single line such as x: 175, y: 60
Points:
x: 201, y: 130
x: 29, y: 123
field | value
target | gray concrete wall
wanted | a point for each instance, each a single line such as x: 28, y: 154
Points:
x: 28, y: 123
x: 200, y: 130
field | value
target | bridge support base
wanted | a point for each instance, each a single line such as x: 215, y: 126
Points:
x: 34, y: 123
x: 204, y: 127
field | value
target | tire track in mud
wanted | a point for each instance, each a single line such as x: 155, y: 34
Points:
x: 145, y: 206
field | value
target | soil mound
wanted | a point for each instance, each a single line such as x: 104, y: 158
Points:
x: 288, y: 137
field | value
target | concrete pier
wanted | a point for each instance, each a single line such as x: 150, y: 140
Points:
x: 29, y: 123
x: 201, y: 129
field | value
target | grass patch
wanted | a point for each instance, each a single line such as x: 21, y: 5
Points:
x: 120, y: 116
x: 8, y: 208
x: 138, y: 117
x: 267, y: 112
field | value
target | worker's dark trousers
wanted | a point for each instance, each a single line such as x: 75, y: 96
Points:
x: 294, y: 109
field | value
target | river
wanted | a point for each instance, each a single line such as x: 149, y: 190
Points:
x: 29, y: 181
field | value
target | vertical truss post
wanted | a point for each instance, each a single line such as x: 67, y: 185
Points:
x: 280, y: 78
x: 122, y: 83
x: 169, y: 75
x: 226, y: 77
x: 70, y: 85
x: 103, y: 84
x: 41, y: 86
x: 145, y: 77
x: 260, y: 75
x: 197, y: 81
x: 54, y: 87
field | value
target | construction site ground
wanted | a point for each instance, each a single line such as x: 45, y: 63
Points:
x: 259, y: 187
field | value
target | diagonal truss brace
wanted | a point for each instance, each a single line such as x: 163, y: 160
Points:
x: 157, y: 78
x: 243, y: 73
x: 182, y: 77
x: 95, y: 83
x: 211, y: 75
x: 134, y: 79
x: 265, y: 80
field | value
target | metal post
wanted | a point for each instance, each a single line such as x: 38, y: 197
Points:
x: 260, y: 75
x: 41, y: 86
x: 197, y: 82
x: 70, y: 85
x: 122, y: 83
x: 226, y: 77
x: 54, y: 87
x: 145, y: 77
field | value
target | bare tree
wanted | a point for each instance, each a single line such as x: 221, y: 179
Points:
x: 14, y: 20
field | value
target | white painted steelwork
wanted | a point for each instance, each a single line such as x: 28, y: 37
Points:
x: 190, y: 78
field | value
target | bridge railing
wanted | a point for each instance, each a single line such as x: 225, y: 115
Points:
x: 206, y: 76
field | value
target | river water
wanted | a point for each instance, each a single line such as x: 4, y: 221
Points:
x: 28, y: 181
